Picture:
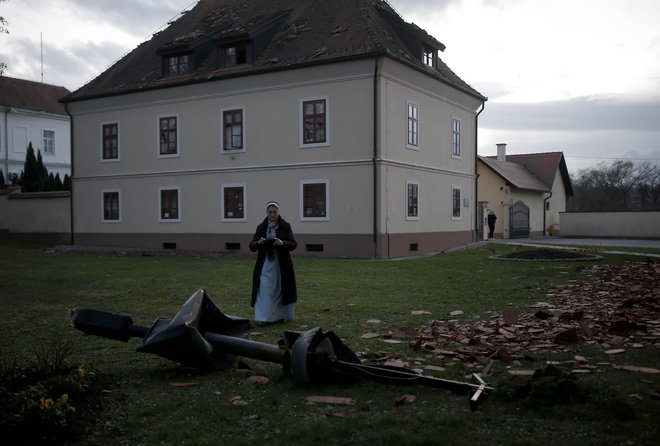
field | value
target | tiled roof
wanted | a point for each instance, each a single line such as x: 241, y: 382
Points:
x: 532, y: 171
x: 516, y: 174
x: 545, y: 166
x: 30, y: 95
x: 287, y: 34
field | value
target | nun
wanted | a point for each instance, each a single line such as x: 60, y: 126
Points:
x: 273, y: 280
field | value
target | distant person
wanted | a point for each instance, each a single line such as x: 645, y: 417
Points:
x: 273, y: 280
x: 492, y: 218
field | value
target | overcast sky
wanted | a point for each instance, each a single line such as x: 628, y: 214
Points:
x: 577, y: 76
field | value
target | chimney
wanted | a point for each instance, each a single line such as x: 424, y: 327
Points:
x: 501, y: 152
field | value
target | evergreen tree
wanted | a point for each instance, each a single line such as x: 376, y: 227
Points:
x: 67, y: 182
x: 42, y: 179
x: 50, y: 183
x: 30, y: 180
x: 58, y: 182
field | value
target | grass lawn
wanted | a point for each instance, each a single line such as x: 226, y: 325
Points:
x: 147, y: 400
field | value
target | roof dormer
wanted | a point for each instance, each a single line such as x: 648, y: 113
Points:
x: 235, y: 52
x: 430, y: 56
x: 177, y: 64
x: 243, y: 42
x: 424, y: 46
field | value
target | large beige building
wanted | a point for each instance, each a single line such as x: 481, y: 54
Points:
x: 339, y: 110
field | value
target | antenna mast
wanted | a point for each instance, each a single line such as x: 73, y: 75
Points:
x: 41, y: 38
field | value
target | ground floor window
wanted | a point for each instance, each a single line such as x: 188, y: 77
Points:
x: 412, y: 200
x: 456, y: 203
x: 111, y: 206
x: 233, y: 202
x: 169, y: 204
x: 315, y: 196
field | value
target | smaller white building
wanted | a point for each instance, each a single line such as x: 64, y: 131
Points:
x: 30, y: 112
x: 526, y: 192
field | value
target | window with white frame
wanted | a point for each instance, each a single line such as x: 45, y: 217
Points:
x: 455, y: 203
x: 315, y: 122
x: 456, y: 138
x: 110, y: 141
x: 314, y: 200
x: 168, y: 136
x: 428, y: 56
x: 233, y: 202
x: 111, y: 206
x: 412, y: 200
x: 169, y: 204
x: 413, y: 126
x: 49, y: 142
x: 233, y: 138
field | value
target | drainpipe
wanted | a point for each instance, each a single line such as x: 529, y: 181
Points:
x: 66, y: 108
x: 7, y: 143
x: 544, y: 209
x: 476, y: 161
x: 374, y: 239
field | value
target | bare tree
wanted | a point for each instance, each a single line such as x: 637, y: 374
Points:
x: 620, y: 186
x: 3, y: 30
x: 648, y: 192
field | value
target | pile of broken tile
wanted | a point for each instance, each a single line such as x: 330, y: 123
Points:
x: 619, y: 310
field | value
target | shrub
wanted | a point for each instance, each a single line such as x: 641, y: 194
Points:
x: 41, y: 394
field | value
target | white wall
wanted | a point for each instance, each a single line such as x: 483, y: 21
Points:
x: 610, y: 224
x: 36, y: 213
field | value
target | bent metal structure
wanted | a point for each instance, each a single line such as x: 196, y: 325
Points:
x: 202, y: 336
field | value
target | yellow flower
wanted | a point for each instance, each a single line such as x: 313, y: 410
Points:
x: 81, y: 371
x: 46, y: 403
x: 64, y: 399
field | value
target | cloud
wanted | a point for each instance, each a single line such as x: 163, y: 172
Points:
x: 81, y: 38
x: 588, y: 130
x: 581, y: 148
x: 91, y: 58
x: 419, y: 7
x: 539, y: 50
x: 142, y: 17
x: 582, y: 113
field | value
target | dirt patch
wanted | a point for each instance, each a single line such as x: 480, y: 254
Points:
x: 557, y: 255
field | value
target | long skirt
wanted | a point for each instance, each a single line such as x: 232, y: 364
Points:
x: 269, y: 307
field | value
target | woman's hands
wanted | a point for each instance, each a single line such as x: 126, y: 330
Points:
x: 277, y: 241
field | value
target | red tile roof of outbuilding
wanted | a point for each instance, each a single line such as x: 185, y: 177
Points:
x: 31, y: 95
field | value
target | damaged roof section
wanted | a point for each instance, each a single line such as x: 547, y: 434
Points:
x: 223, y: 38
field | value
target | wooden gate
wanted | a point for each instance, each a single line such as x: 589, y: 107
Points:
x: 519, y: 220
